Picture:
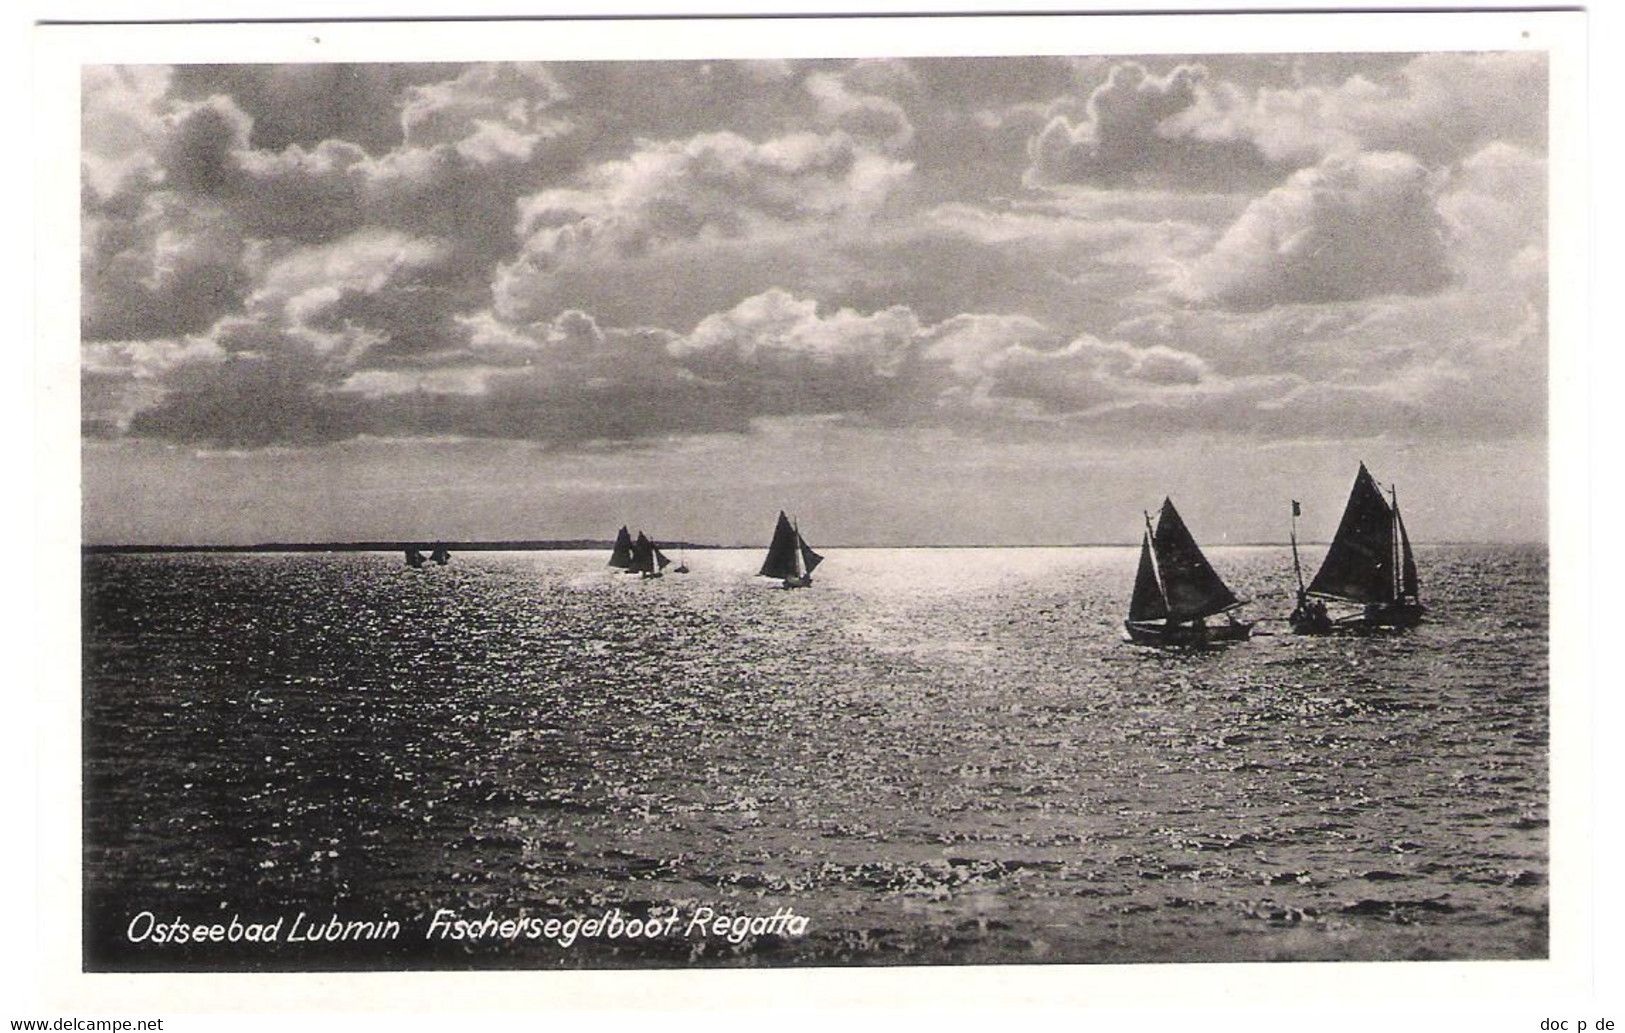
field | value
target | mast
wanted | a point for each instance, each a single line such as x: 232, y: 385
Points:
x: 1156, y: 566
x: 1148, y: 602
x: 1393, y: 496
x: 1297, y: 567
x: 1410, y: 584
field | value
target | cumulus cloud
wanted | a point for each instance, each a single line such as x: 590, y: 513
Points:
x: 170, y: 265
x: 619, y: 251
x: 718, y: 184
x: 715, y: 190
x: 1495, y: 207
x: 1125, y: 138
x: 1194, y: 129
x: 862, y: 115
x: 121, y: 125
x: 1350, y: 227
x: 1439, y: 107
x: 486, y: 114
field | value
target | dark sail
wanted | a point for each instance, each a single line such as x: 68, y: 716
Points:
x: 661, y: 562
x: 809, y: 559
x: 441, y: 555
x: 1148, y: 603
x: 643, y: 555
x: 781, y: 554
x: 1410, y: 586
x: 1189, y: 584
x: 1359, y: 566
x: 622, y: 556
x: 414, y: 558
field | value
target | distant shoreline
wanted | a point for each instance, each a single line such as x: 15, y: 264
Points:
x: 591, y: 545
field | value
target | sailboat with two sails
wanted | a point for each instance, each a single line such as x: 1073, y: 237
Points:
x: 1369, y: 564
x: 1176, y: 590
x: 638, y: 556
x: 789, y: 557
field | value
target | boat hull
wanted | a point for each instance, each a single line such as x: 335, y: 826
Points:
x: 1373, y: 619
x: 1150, y: 633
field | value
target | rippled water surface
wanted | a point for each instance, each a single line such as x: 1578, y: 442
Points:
x: 937, y: 756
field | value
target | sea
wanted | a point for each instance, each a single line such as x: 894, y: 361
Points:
x: 325, y: 761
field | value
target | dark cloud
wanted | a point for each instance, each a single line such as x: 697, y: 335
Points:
x: 250, y: 399
x: 302, y: 105
x: 166, y: 265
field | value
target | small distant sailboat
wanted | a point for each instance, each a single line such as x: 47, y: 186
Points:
x: 1369, y: 564
x: 621, y: 556
x: 789, y: 557
x: 441, y: 555
x: 647, y: 559
x: 414, y: 558
x: 1176, y: 590
x: 682, y: 562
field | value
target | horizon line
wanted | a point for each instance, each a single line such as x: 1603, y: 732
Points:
x: 592, y: 545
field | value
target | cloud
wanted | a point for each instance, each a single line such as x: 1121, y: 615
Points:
x: 172, y: 265
x: 1348, y: 228
x: 1124, y: 139
x: 719, y: 184
x: 1089, y: 374
x: 1192, y: 128
x: 486, y: 114
x: 1439, y: 107
x: 777, y: 331
x: 249, y: 385
x: 715, y: 190
x: 972, y: 346
x: 621, y: 251
x: 1495, y: 207
x: 198, y: 153
x: 774, y: 354
x: 120, y: 125
x: 864, y: 116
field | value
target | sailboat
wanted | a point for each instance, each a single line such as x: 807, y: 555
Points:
x: 441, y: 555
x: 414, y: 558
x: 621, y: 556
x: 647, y: 559
x: 1369, y: 564
x: 789, y: 557
x: 1176, y: 590
x: 682, y: 562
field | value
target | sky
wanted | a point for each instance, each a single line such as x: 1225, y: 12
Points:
x: 925, y: 301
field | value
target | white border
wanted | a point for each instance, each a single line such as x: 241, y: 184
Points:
x: 1327, y: 996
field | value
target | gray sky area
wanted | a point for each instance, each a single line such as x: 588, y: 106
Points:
x: 932, y: 301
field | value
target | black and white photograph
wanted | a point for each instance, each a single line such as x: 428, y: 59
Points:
x: 1081, y: 503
